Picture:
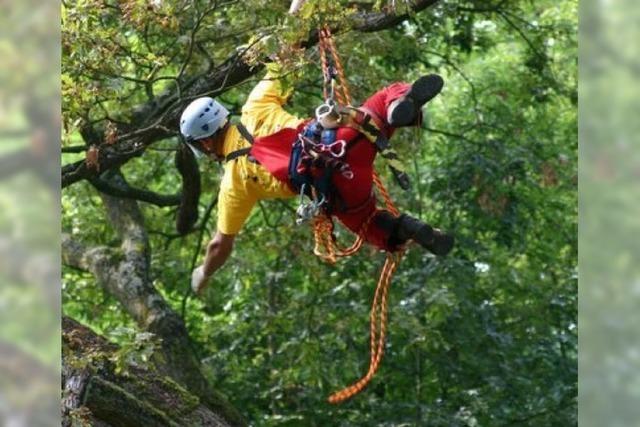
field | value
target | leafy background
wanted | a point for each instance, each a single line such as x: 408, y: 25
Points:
x: 29, y: 213
x: 485, y: 336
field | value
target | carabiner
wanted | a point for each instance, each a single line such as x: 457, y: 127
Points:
x: 327, y: 115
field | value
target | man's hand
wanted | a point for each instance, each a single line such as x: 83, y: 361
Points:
x: 198, y: 280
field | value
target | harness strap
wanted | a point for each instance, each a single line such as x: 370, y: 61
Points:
x: 300, y: 168
x: 369, y: 124
x: 243, y: 151
x: 238, y: 153
x: 365, y: 122
x: 245, y: 133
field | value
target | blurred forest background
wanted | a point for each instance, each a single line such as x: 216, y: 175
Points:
x: 486, y: 336
x: 29, y: 214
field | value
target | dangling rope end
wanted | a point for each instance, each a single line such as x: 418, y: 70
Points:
x: 378, y: 329
x: 346, y: 394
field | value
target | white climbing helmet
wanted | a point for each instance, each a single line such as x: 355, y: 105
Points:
x: 202, y: 118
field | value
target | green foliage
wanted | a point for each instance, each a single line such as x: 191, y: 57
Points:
x: 136, y: 348
x: 486, y: 336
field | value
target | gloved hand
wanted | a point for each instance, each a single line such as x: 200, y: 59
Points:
x: 198, y: 280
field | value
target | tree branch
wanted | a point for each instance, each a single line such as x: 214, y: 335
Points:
x: 369, y: 22
x: 158, y: 117
x: 128, y: 192
x: 81, y: 257
x: 74, y: 149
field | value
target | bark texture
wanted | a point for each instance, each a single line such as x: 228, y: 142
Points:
x: 94, y: 394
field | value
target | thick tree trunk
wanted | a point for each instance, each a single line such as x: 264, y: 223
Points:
x: 138, y: 396
x: 124, y: 273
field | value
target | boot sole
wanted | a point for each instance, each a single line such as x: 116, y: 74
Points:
x: 425, y: 89
x: 422, y: 91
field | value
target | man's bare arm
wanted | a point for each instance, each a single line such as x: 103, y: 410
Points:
x: 218, y: 251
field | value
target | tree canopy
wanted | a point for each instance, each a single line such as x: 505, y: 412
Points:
x: 485, y: 336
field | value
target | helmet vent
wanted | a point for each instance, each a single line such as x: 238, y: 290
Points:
x: 206, y: 110
x: 216, y: 113
x: 205, y: 127
x: 201, y: 114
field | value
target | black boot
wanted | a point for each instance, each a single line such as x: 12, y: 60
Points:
x: 405, y: 110
x: 442, y: 243
x: 405, y: 227
x: 432, y: 239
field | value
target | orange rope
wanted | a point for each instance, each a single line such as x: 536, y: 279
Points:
x: 378, y: 319
x: 327, y: 43
x: 325, y: 241
x: 340, y: 70
x: 325, y: 64
x: 391, y: 207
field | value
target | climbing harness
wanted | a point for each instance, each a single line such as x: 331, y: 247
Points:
x: 316, y: 146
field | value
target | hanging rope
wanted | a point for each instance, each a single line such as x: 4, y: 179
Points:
x: 325, y: 240
x: 378, y: 320
x: 326, y: 72
x: 328, y: 43
x: 326, y: 246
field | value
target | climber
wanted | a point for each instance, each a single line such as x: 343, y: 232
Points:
x: 258, y: 156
